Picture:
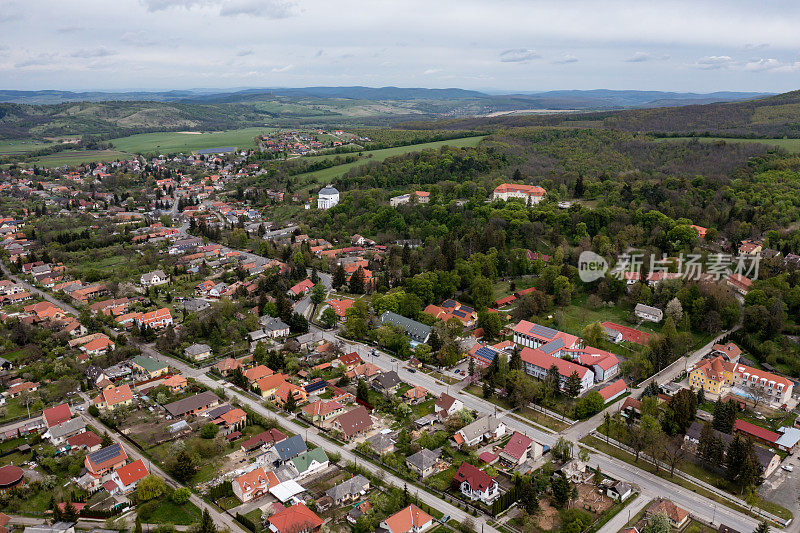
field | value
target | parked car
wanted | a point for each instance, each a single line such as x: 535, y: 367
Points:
x: 412, y: 370
x: 788, y: 468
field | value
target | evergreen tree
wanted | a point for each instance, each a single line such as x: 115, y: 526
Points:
x: 138, y: 527
x: 573, y: 385
x: 763, y: 527
x: 362, y: 391
x: 357, y: 281
x: 291, y: 403
x: 515, y: 361
x: 488, y: 390
x: 206, y: 523
x: 70, y: 513
x: 339, y: 277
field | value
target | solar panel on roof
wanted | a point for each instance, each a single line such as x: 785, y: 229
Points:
x: 104, y: 454
x: 459, y: 313
x: 553, y: 346
x: 544, y: 331
x: 467, y: 309
x: 485, y: 353
x: 449, y: 303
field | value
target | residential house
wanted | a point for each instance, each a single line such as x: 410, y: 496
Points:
x: 149, y: 367
x: 128, y: 476
x: 446, y: 405
x: 295, y: 519
x: 197, y: 352
x: 477, y: 484
x: 300, y: 288
x: 519, y: 449
x: 288, y: 449
x: 348, y: 491
x: 274, y: 327
x: 253, y: 484
x: 415, y: 395
x: 729, y: 351
x: 114, y: 397
x: 677, y: 517
x: 160, y: 318
x: 648, y: 313
x: 263, y: 440
x: 486, y: 428
x: 411, y: 519
x: 175, y: 383
x: 310, y: 462
x: 386, y: 382
x: 425, y: 462
x: 101, y: 464
x: 56, y: 415
x: 322, y: 412
x: 156, y: 277
x: 59, y: 433
x: 353, y: 423
x: 193, y: 404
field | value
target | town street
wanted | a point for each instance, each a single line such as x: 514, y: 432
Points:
x: 33, y: 290
x: 221, y: 519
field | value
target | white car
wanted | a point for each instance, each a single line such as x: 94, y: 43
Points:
x: 788, y: 468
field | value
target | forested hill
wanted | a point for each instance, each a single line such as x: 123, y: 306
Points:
x: 771, y: 117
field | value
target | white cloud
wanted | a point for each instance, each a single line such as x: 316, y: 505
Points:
x: 282, y: 69
x: 568, y: 58
x: 715, y: 62
x: 772, y: 65
x: 518, y: 55
x: 242, y: 53
x: 641, y: 57
x: 93, y: 53
x: 273, y: 9
x: 431, y: 71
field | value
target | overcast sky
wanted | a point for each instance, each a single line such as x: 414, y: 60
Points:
x: 700, y: 46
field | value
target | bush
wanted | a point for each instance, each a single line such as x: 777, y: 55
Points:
x: 209, y: 431
x: 94, y: 411
x: 146, y: 510
x: 180, y: 496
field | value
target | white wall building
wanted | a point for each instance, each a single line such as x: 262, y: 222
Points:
x: 328, y: 197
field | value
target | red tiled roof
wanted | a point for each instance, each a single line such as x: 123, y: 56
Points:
x: 611, y: 390
x: 56, y: 415
x: 754, y: 430
x: 478, y: 479
x: 132, y: 472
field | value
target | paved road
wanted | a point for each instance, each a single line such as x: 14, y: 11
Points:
x: 700, y: 506
x: 33, y: 290
x: 220, y: 519
x: 624, y: 516
x: 312, y: 435
x: 577, y: 431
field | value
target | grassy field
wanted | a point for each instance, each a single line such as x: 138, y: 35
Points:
x: 790, y: 145
x: 171, y: 513
x: 21, y: 146
x: 172, y: 141
x: 79, y: 157
x: 321, y: 177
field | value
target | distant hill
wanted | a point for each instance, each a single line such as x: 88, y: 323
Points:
x: 594, y: 99
x: 764, y: 117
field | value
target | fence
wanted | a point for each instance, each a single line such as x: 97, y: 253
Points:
x: 700, y: 483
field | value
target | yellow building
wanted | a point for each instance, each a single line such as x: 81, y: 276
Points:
x: 712, y: 375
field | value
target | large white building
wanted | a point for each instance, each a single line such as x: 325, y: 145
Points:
x: 532, y: 193
x: 328, y: 197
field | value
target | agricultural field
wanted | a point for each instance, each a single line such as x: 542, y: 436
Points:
x: 320, y: 177
x: 790, y: 145
x: 79, y: 157
x: 176, y: 141
x: 22, y: 146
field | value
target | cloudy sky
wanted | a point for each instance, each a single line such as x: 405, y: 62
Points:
x: 520, y: 45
